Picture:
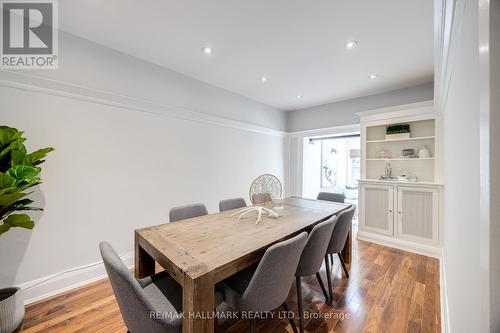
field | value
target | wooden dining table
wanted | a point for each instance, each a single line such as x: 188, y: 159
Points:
x: 202, y: 251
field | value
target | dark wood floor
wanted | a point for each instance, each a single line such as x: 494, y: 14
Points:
x: 388, y: 291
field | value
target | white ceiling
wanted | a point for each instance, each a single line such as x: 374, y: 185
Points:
x: 297, y: 44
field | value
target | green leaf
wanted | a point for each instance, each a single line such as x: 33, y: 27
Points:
x: 8, y: 199
x: 4, y: 228
x: 20, y: 172
x: 21, y: 205
x: 13, y: 145
x: 6, y: 181
x: 8, y: 190
x: 36, y: 156
x: 26, y: 184
x: 19, y: 220
x: 8, y: 134
x: 17, y: 157
x: 30, y: 183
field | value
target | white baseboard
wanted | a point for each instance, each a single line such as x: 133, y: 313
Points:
x: 425, y: 250
x: 49, y: 286
x: 445, y: 319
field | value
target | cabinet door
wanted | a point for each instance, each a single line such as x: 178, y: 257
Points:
x: 377, y: 204
x: 418, y: 214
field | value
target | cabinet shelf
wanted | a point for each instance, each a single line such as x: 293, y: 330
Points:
x: 401, y: 159
x: 407, y: 139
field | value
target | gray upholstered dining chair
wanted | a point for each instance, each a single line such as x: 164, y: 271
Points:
x: 337, y: 243
x: 329, y: 196
x: 138, y: 299
x: 229, y: 204
x: 188, y: 211
x: 265, y: 286
x: 312, y: 259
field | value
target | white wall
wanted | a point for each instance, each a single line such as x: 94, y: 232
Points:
x: 344, y: 112
x: 462, y: 176
x: 489, y: 60
x: 494, y: 131
x: 122, y: 162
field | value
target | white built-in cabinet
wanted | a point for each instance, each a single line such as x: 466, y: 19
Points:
x: 379, y: 207
x: 400, y: 213
x: 417, y: 214
x: 405, y: 213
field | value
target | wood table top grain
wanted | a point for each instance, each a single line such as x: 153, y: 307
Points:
x: 201, y: 251
x: 208, y: 243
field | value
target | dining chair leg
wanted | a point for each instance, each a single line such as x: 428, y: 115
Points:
x: 322, y: 285
x: 290, y: 319
x: 343, y: 264
x: 329, y: 280
x: 299, y: 302
x: 331, y: 259
x: 253, y: 325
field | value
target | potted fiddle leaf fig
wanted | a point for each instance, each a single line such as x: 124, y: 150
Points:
x: 19, y: 173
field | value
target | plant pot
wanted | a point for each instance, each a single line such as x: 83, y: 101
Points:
x: 11, y: 309
x: 397, y: 136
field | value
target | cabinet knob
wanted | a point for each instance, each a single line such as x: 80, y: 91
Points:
x: 399, y: 212
x: 390, y: 210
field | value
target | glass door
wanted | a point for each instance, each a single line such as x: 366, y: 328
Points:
x: 331, y: 164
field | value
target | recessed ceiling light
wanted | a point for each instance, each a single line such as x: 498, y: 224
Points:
x: 351, y: 44
x: 299, y: 96
x: 206, y: 50
x: 263, y: 79
x: 373, y: 76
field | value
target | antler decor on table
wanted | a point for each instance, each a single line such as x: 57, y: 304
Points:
x: 263, y: 190
x: 259, y: 209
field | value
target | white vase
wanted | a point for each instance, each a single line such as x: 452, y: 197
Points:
x: 424, y: 152
x: 11, y: 309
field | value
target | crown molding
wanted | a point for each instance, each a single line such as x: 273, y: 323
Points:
x: 22, y: 81
x: 412, y: 109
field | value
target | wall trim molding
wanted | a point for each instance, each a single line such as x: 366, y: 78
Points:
x: 52, y: 285
x: 326, y: 131
x: 46, y: 86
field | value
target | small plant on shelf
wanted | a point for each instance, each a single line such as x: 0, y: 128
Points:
x: 397, y: 132
x: 397, y: 129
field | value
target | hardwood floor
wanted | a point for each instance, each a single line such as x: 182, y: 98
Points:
x: 388, y: 291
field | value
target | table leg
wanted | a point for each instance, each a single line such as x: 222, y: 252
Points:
x: 198, y: 297
x: 347, y: 250
x: 144, y: 263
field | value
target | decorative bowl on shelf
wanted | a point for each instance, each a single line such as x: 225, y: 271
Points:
x: 383, y: 153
